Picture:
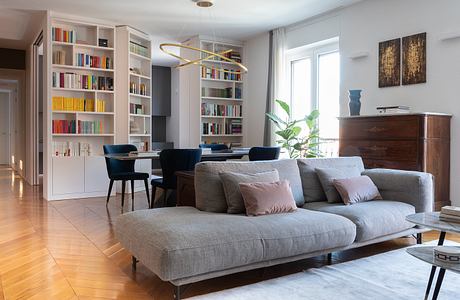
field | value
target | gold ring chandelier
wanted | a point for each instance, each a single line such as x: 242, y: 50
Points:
x: 199, y: 61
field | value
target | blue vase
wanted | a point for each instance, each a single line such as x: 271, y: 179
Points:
x: 355, y: 103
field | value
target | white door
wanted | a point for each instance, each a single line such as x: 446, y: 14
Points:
x: 4, y: 128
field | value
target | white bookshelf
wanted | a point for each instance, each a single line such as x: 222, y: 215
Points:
x: 80, y: 171
x: 134, y: 69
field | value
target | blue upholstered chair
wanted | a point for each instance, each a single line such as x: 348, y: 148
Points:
x: 214, y: 147
x: 264, y: 153
x: 124, y: 170
x: 172, y: 161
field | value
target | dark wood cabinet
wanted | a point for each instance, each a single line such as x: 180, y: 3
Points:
x: 416, y: 142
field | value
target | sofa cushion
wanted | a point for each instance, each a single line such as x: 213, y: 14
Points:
x: 311, y: 186
x: 231, y: 181
x: 357, y: 189
x: 181, y: 242
x: 209, y: 192
x: 328, y: 175
x: 372, y: 219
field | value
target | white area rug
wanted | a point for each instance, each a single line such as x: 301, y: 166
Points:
x: 392, y: 275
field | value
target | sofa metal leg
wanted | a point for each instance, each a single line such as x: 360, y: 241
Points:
x: 177, y: 292
x: 419, y: 238
x: 134, y: 263
x: 329, y: 258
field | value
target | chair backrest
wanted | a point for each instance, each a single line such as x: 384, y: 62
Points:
x: 214, y: 147
x: 173, y: 160
x: 264, y: 153
x: 115, y: 166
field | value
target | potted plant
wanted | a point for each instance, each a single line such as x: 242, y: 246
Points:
x: 291, y: 136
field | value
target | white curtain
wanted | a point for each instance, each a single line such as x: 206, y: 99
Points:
x: 276, y: 80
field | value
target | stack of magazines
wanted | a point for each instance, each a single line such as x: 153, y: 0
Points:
x: 450, y: 214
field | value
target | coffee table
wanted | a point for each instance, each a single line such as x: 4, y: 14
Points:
x: 431, y: 220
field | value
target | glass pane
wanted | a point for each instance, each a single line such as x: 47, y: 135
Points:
x: 328, y: 101
x: 301, y: 88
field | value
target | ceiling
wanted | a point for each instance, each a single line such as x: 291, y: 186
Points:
x: 174, y: 20
x: 16, y: 25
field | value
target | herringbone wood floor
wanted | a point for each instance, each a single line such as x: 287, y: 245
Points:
x: 67, y: 250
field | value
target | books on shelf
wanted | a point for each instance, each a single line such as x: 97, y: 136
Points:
x: 93, y: 61
x: 64, y: 126
x: 450, y: 214
x: 61, y: 103
x: 139, y: 49
x: 59, y: 57
x: 234, y: 127
x: 81, y: 81
x: 210, y: 128
x: 212, y: 109
x: 217, y: 92
x: 213, y: 73
x: 137, y: 109
x: 142, y: 146
x: 71, y: 149
x: 90, y: 127
x: 238, y: 94
x: 397, y: 109
x: 63, y: 35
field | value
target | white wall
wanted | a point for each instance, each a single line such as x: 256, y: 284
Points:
x: 360, y: 28
x: 256, y: 57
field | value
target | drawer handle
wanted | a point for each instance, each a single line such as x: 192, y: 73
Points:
x: 376, y: 129
x: 375, y: 148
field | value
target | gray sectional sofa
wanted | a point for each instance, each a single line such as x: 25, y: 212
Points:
x: 183, y: 245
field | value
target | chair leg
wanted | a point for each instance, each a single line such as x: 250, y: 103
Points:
x: 419, y: 238
x: 146, y: 183
x: 110, y: 191
x: 132, y: 195
x: 165, y: 198
x: 154, y: 191
x: 123, y: 186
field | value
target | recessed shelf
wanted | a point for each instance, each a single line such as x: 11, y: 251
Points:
x: 221, y: 80
x: 139, y: 75
x: 81, y: 68
x: 140, y: 116
x: 83, y: 46
x: 140, y: 56
x: 140, y: 96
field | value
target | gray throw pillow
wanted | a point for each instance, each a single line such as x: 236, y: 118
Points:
x: 231, y: 181
x: 326, y: 177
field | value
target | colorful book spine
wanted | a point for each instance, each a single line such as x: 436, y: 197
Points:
x: 63, y: 35
x: 81, y: 81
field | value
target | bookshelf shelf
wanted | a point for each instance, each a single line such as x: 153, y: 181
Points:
x: 139, y: 75
x: 74, y: 165
x: 220, y: 117
x: 221, y: 80
x: 221, y: 98
x: 139, y: 135
x: 140, y: 96
x: 222, y: 135
x: 58, y: 66
x: 135, y: 55
x: 139, y: 115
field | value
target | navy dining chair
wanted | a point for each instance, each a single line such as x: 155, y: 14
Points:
x: 264, y: 153
x: 172, y: 161
x: 123, y: 170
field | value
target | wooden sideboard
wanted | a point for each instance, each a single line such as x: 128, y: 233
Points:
x: 416, y: 142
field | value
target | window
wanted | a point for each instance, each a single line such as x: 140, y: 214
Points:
x: 314, y: 81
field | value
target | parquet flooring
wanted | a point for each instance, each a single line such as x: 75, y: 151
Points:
x: 67, y: 250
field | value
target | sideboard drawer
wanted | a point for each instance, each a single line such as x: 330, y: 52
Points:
x: 407, y: 127
x: 386, y: 164
x: 388, y: 150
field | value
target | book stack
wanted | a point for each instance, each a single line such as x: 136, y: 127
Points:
x: 212, y: 128
x: 61, y: 103
x: 64, y: 126
x: 90, y: 127
x: 71, y: 149
x: 139, y: 49
x: 93, y: 61
x: 137, y: 109
x: 212, y: 109
x: 81, y: 81
x: 213, y: 73
x: 62, y: 35
x: 398, y: 109
x: 450, y: 214
x: 59, y: 57
x: 234, y: 127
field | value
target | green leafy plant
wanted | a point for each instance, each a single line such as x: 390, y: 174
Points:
x: 291, y: 136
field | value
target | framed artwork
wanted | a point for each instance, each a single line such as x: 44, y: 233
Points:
x: 414, y: 59
x: 390, y: 63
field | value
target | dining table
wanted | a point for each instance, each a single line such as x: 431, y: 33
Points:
x: 237, y: 153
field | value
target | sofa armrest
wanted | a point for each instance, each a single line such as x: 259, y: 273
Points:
x: 415, y: 188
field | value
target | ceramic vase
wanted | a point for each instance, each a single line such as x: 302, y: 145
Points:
x: 355, y: 103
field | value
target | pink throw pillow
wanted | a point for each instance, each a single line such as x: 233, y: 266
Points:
x: 262, y: 198
x: 357, y: 189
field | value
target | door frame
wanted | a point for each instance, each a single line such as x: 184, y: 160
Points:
x: 9, y: 123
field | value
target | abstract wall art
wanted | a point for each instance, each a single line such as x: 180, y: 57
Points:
x: 414, y: 59
x: 390, y: 63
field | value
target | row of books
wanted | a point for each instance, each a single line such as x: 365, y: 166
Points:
x: 82, y: 127
x: 59, y: 57
x: 61, y: 103
x: 63, y: 35
x: 212, y: 109
x: 137, y: 109
x: 213, y: 128
x: 450, y: 214
x: 141, y: 146
x: 82, y: 81
x: 213, y: 73
x: 93, y: 61
x: 235, y: 55
x: 139, y: 49
x: 217, y: 92
x: 71, y: 149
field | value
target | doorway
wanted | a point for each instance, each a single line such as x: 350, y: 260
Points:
x: 37, y: 133
x: 5, y: 129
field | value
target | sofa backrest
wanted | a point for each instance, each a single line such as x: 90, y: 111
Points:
x: 209, y: 193
x: 311, y: 186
